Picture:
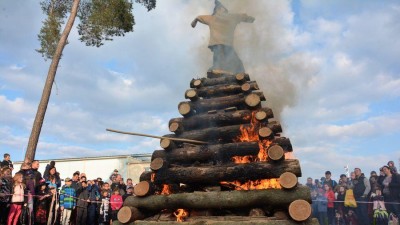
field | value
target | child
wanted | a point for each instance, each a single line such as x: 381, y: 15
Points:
x: 42, y: 205
x: 381, y: 217
x: 18, y: 199
x: 104, y: 208
x: 322, y: 206
x: 67, y: 201
x: 351, y: 218
x: 116, y: 203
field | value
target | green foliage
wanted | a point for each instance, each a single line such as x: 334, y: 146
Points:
x: 105, y: 19
x: 50, y: 33
x: 100, y: 20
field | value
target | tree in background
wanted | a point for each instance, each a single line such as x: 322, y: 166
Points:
x: 100, y: 20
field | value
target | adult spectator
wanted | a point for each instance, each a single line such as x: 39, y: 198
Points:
x: 7, y: 162
x: 46, y: 174
x: 82, y: 205
x: 75, y: 184
x: 129, y: 192
x: 37, y: 176
x: 113, y: 175
x: 53, y: 178
x: 310, y: 183
x: 328, y: 180
x: 6, y: 184
x: 392, y: 168
x: 94, y: 197
x: 344, y: 181
x: 391, y: 191
x: 118, y: 183
x: 361, y: 191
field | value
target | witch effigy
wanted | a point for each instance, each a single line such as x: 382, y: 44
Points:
x: 222, y: 26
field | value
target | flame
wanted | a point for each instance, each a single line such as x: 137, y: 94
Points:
x: 165, y: 190
x: 181, y: 215
x: 153, y: 177
x: 249, y: 133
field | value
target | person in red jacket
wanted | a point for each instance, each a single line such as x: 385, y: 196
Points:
x: 331, y: 206
x: 116, y: 203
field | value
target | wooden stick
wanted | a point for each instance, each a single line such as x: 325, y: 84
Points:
x: 159, y: 137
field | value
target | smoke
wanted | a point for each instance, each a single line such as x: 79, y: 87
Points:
x: 267, y: 48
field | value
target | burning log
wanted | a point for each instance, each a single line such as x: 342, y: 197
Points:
x: 241, y: 101
x: 207, y: 153
x: 220, y: 90
x: 204, y: 82
x: 221, y: 118
x: 229, y: 172
x: 279, y: 198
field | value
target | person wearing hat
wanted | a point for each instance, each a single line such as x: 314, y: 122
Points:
x: 67, y: 201
x: 113, y: 175
x: 42, y: 203
x: 222, y: 26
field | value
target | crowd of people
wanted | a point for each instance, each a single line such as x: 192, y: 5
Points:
x: 30, y: 198
x: 357, y: 200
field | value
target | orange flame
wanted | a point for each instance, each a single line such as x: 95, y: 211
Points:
x: 153, y: 176
x: 181, y: 215
x: 165, y: 190
x: 248, y: 134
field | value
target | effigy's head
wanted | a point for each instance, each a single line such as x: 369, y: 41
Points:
x: 219, y: 8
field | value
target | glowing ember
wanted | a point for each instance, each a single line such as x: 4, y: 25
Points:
x: 153, y: 176
x: 181, y: 215
x: 165, y: 190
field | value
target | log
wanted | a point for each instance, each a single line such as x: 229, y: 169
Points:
x: 276, y: 152
x: 213, y: 175
x: 220, y: 90
x: 220, y: 118
x: 143, y: 188
x: 211, y: 135
x: 207, y: 153
x: 221, y: 199
x: 129, y: 214
x: 241, y: 101
x: 146, y: 175
x: 284, y: 143
x: 157, y: 163
x: 224, y: 220
x: 300, y: 210
x: 288, y: 180
x: 167, y: 144
x: 204, y: 82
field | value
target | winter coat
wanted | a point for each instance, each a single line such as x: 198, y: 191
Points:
x: 67, y: 197
x: 5, y: 189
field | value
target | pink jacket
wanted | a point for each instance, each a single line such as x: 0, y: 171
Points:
x: 116, y: 202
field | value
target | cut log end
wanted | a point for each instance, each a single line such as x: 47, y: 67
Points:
x: 276, y: 152
x: 252, y: 100
x: 167, y: 144
x: 197, y: 83
x: 157, y: 164
x: 141, y: 189
x: 261, y: 115
x: 184, y: 108
x: 191, y: 94
x: 246, y: 87
x: 240, y: 77
x: 129, y: 214
x: 265, y: 132
x: 300, y: 210
x: 174, y: 127
x: 288, y: 180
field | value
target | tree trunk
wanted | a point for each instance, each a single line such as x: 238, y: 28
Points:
x: 204, y: 82
x: 207, y: 153
x: 280, y: 198
x: 44, y: 101
x: 221, y: 118
x: 240, y: 101
x: 213, y: 175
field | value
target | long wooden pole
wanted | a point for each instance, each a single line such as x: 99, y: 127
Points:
x: 159, y: 137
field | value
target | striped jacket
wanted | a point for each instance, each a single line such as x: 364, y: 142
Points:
x: 67, y: 197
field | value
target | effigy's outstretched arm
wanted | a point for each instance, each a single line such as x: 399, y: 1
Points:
x: 202, y: 19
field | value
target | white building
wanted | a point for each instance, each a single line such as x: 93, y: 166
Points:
x: 129, y: 166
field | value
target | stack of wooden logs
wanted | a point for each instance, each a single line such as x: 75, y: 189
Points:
x: 202, y: 177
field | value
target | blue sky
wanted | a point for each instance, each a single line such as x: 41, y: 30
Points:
x: 329, y: 71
